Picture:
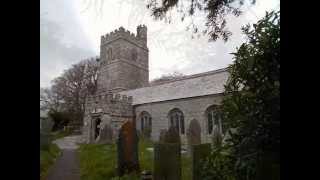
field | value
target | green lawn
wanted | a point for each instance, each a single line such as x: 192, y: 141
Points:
x: 47, y: 158
x: 98, y: 162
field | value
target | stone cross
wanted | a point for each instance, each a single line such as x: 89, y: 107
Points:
x: 127, y: 148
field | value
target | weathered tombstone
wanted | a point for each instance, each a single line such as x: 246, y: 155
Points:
x: 172, y: 136
x: 47, y: 125
x: 167, y: 156
x: 45, y: 130
x: 199, y: 153
x: 105, y: 134
x: 162, y: 135
x: 193, y: 134
x: 167, y: 161
x: 127, y: 148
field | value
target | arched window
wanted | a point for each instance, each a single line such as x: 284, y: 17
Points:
x: 176, y: 119
x: 145, y: 120
x: 213, y: 119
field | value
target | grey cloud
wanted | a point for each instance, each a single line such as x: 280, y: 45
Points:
x: 62, y: 42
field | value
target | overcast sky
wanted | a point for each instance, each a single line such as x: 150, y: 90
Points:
x: 70, y: 31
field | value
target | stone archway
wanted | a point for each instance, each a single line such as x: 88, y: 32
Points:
x: 97, y: 128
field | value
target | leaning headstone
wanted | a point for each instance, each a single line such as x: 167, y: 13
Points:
x: 167, y: 161
x: 105, y: 134
x: 127, y: 148
x: 193, y: 134
x: 199, y: 154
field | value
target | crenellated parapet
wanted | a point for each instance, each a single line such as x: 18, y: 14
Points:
x: 125, y: 34
x: 111, y: 98
x: 113, y: 104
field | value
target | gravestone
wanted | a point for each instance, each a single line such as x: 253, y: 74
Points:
x: 45, y: 130
x: 46, y: 125
x: 167, y: 161
x: 127, y: 148
x: 106, y: 134
x: 162, y: 135
x: 199, y: 154
x: 172, y: 136
x: 167, y: 156
x: 193, y: 134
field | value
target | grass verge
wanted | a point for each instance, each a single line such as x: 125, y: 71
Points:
x: 47, y: 158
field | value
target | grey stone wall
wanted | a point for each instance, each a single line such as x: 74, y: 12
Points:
x: 124, y: 60
x: 111, y: 109
x: 192, y: 108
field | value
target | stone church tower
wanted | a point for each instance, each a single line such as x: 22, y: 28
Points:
x: 123, y: 66
x: 124, y: 60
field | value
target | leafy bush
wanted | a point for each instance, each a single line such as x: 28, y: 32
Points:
x: 219, y: 165
x: 252, y: 101
x: 60, y: 119
x: 251, y: 107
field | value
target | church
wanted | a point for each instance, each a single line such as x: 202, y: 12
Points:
x: 124, y: 93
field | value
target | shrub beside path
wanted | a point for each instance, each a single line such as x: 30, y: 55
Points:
x: 67, y: 165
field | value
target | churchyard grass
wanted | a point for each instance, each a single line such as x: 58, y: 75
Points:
x: 186, y: 171
x: 99, y: 161
x: 47, y: 158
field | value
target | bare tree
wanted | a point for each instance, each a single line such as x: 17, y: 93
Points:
x: 74, y: 85
x: 50, y: 100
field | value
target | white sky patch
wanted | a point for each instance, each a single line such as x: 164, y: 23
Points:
x: 171, y: 47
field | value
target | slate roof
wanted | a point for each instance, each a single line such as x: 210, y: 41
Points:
x: 202, y: 84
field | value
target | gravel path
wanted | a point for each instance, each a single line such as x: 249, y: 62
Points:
x: 67, y: 165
